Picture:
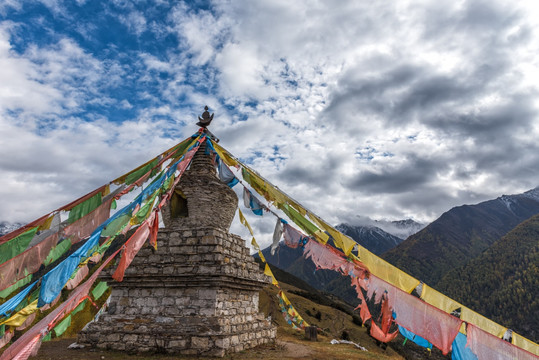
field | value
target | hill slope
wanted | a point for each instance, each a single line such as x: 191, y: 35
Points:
x: 503, y: 282
x: 461, y: 234
x: 334, y: 318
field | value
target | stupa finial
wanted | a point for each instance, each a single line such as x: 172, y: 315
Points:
x: 206, y: 118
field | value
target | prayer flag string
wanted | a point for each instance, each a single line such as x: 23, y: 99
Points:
x: 319, y: 230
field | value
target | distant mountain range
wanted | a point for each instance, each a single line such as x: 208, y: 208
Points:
x: 503, y: 282
x: 484, y: 255
x: 460, y: 235
x: 6, y: 227
x: 371, y: 237
x: 399, y: 228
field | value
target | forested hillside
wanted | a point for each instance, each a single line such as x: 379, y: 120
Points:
x: 461, y: 234
x: 503, y: 282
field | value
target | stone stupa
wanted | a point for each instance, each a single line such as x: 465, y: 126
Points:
x: 197, y: 294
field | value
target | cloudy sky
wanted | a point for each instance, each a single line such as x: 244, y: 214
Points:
x: 386, y: 110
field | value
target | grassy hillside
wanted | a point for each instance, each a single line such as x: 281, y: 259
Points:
x: 335, y: 318
x: 503, y: 282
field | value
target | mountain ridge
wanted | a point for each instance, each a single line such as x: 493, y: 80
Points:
x: 461, y: 234
x: 503, y: 282
x: 6, y: 227
x: 292, y: 261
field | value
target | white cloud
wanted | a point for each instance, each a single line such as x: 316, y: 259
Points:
x: 387, y: 110
x: 135, y: 22
x: 21, y: 88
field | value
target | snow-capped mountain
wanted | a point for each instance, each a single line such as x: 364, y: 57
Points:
x: 399, y: 228
x: 461, y: 234
x: 371, y: 237
x: 6, y: 227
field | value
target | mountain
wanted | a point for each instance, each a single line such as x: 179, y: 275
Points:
x: 399, y: 228
x: 293, y: 262
x: 6, y: 227
x: 402, y: 228
x: 371, y: 237
x: 503, y: 282
x: 460, y: 235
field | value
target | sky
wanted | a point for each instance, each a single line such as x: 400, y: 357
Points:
x: 359, y: 110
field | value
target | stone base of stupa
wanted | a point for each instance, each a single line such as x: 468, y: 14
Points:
x: 196, y: 295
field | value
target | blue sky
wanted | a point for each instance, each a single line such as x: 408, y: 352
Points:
x: 383, y: 110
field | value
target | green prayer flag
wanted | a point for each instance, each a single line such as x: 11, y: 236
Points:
x: 85, y: 208
x: 2, y: 330
x: 113, y: 204
x: 116, y: 225
x: 47, y: 337
x: 105, y: 246
x: 168, y: 182
x: 7, y: 291
x: 17, y: 245
x: 34, y: 295
x: 62, y: 326
x: 299, y: 219
x: 135, y: 175
x: 99, y: 290
x: 57, y: 251
x: 182, y: 148
x: 79, y: 307
x: 145, y: 210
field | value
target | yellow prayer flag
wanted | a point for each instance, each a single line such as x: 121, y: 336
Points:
x: 261, y: 256
x: 224, y: 155
x: 285, y: 299
x: 19, y: 318
x: 321, y: 236
x: 244, y: 222
x: 267, y: 271
x: 448, y: 305
x: 47, y: 224
x: 525, y: 344
x: 255, y: 244
x: 387, y: 272
x: 342, y: 241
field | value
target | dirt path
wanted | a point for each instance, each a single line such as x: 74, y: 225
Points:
x: 287, y: 348
x: 294, y: 350
x: 58, y: 350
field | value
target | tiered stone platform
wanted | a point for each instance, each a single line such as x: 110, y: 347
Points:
x: 197, y: 294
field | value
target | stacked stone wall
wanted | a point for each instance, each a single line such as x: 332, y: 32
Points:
x: 202, y: 281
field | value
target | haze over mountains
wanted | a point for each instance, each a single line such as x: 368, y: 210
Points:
x: 399, y: 228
